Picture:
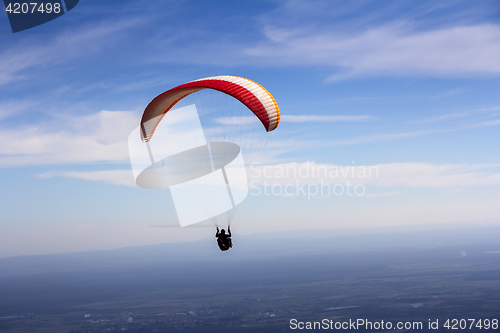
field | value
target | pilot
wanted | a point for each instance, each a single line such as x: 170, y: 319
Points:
x: 223, y: 239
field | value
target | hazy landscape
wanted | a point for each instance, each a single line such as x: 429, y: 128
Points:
x: 399, y: 275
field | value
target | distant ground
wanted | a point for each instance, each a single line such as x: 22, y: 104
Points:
x: 412, y: 277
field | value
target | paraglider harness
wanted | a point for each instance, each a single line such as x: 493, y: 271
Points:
x: 223, y: 239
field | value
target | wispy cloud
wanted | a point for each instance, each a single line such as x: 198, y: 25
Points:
x: 379, y: 137
x: 382, y: 195
x: 100, y: 137
x: 495, y: 122
x: 115, y: 177
x: 301, y: 33
x: 396, y: 136
x: 237, y: 120
x: 10, y: 108
x: 64, y: 48
x: 321, y: 119
x: 380, y: 175
x: 294, y: 119
x: 484, y: 113
x: 394, y: 50
x: 437, y: 176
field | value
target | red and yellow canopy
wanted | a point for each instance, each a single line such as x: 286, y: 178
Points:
x: 248, y: 92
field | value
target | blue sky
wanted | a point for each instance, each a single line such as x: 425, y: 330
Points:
x: 409, y: 87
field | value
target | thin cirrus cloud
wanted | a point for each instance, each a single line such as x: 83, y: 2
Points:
x: 294, y: 119
x: 321, y: 119
x: 115, y: 177
x: 401, y: 135
x: 393, y: 50
x: 484, y: 113
x: 17, y: 61
x: 99, y: 137
x: 8, y: 109
x: 381, y: 175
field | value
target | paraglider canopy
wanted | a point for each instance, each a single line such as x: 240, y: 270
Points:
x: 248, y: 92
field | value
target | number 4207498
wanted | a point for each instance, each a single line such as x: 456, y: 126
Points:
x: 462, y: 324
x: 33, y: 7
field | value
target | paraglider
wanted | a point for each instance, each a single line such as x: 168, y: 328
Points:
x: 201, y: 148
x: 223, y: 239
x: 248, y: 92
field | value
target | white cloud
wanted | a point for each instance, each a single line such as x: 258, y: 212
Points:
x: 237, y: 120
x: 489, y: 123
x: 115, y: 177
x: 9, y: 108
x: 101, y: 137
x: 382, y: 195
x: 22, y: 57
x: 483, y: 113
x: 293, y: 119
x: 321, y: 119
x: 379, y: 137
x: 401, y: 135
x: 437, y: 176
x: 387, y: 50
x: 380, y: 175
